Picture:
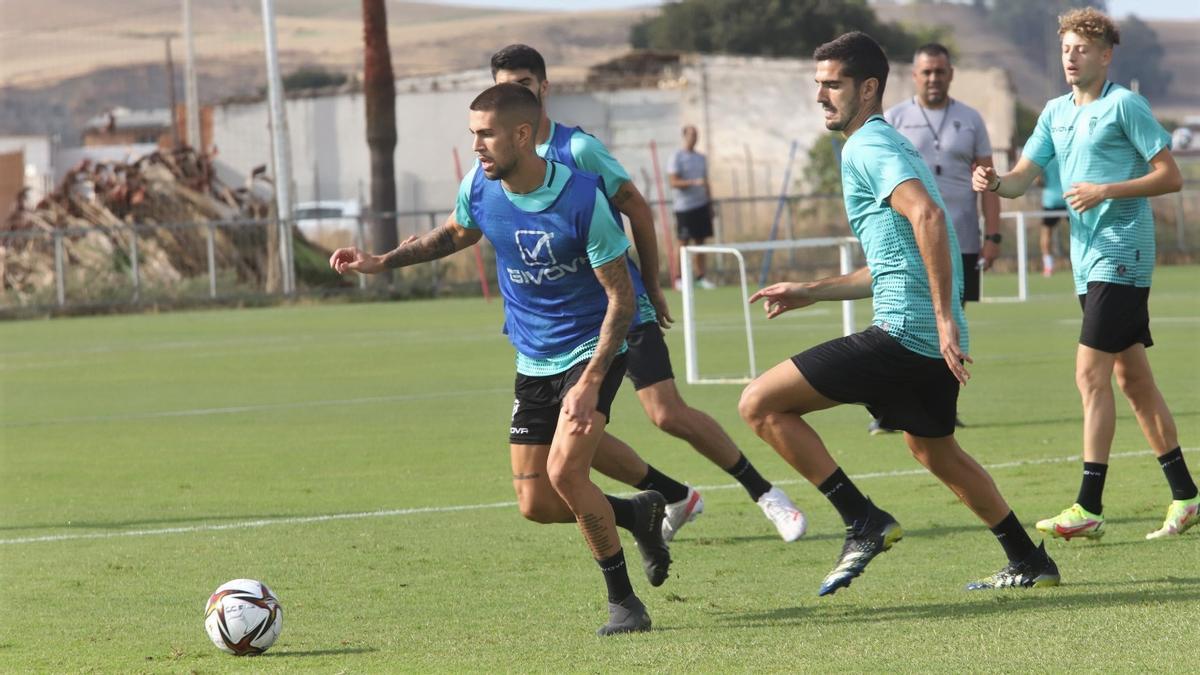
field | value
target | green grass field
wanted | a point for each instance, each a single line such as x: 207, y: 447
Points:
x: 354, y: 457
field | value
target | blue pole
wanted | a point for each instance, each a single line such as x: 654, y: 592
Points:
x: 783, y: 192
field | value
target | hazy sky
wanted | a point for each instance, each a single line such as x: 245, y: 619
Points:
x: 1147, y: 9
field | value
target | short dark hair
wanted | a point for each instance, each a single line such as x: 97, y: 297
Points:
x: 512, y: 102
x: 932, y: 49
x: 860, y: 55
x: 519, y: 57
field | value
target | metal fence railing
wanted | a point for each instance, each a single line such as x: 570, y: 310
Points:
x: 130, y: 265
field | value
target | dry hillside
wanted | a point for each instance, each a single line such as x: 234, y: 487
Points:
x: 62, y: 61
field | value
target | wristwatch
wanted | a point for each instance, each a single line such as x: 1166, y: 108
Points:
x: 994, y: 238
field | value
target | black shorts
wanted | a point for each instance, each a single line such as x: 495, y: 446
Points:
x: 970, y: 277
x: 695, y: 224
x: 900, y: 388
x: 1050, y: 221
x: 649, y: 360
x: 539, y: 399
x: 1115, y: 317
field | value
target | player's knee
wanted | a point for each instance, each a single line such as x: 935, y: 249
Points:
x: 753, y: 408
x: 1091, y: 381
x: 671, y: 418
x: 566, y: 478
x: 539, y: 509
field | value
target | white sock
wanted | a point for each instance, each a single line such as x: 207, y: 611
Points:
x: 1048, y: 262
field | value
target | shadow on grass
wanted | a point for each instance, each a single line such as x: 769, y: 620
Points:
x: 1074, y: 419
x: 142, y: 522
x: 289, y: 653
x: 1169, y: 591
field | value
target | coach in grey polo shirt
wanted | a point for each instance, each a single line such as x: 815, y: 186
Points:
x: 952, y: 139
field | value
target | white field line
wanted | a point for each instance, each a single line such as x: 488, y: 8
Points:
x: 239, y: 409
x: 301, y: 520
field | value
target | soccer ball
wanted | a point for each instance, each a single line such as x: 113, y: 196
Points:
x: 243, y: 617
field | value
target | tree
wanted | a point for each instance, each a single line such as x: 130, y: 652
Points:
x: 764, y: 27
x: 379, y: 89
x: 1139, y: 56
x: 1032, y: 25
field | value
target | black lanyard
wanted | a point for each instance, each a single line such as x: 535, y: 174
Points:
x: 937, y: 134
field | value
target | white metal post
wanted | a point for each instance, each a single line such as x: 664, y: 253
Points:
x: 60, y: 282
x: 134, y: 269
x: 844, y: 262
x: 689, y: 311
x: 281, y: 146
x: 1022, y: 271
x: 212, y: 261
x: 191, y: 96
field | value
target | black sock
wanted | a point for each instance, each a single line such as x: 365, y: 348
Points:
x: 1182, y: 485
x: 666, y: 486
x: 616, y: 576
x: 1091, y: 489
x: 624, y: 513
x: 851, y: 504
x: 1016, y: 542
x: 748, y: 476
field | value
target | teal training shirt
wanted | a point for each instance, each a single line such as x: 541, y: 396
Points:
x: 606, y: 242
x: 1108, y: 140
x: 876, y: 159
x: 592, y: 156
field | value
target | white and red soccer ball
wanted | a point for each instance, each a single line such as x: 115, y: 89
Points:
x: 243, y: 617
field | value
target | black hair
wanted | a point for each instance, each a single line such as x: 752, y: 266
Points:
x: 860, y: 55
x: 933, y: 49
x: 519, y: 57
x: 516, y: 104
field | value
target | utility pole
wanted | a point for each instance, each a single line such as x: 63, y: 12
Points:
x: 190, y: 96
x: 379, y: 85
x: 281, y: 149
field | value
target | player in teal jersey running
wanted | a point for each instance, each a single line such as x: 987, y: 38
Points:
x: 1112, y: 155
x: 649, y: 360
x: 908, y: 366
x: 568, y: 303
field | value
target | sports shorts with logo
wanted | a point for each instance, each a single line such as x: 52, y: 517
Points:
x: 900, y: 388
x: 539, y: 399
x: 1115, y: 317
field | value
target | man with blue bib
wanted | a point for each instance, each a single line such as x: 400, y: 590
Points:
x: 1112, y: 154
x: 908, y: 366
x: 649, y: 362
x: 568, y: 303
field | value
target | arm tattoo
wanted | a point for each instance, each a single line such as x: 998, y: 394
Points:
x: 623, y: 195
x: 614, y: 276
x: 438, y: 243
x: 526, y: 476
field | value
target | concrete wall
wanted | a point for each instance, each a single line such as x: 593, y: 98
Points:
x: 748, y: 111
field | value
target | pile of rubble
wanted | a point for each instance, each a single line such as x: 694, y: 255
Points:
x: 166, y: 195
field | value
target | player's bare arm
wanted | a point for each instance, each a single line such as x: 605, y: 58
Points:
x: 786, y: 296
x: 580, y: 402
x: 449, y: 238
x: 630, y: 202
x: 1163, y: 178
x: 911, y: 200
x: 1012, y: 184
x: 990, y: 205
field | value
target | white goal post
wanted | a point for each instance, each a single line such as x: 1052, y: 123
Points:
x: 845, y: 246
x: 1021, y: 224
